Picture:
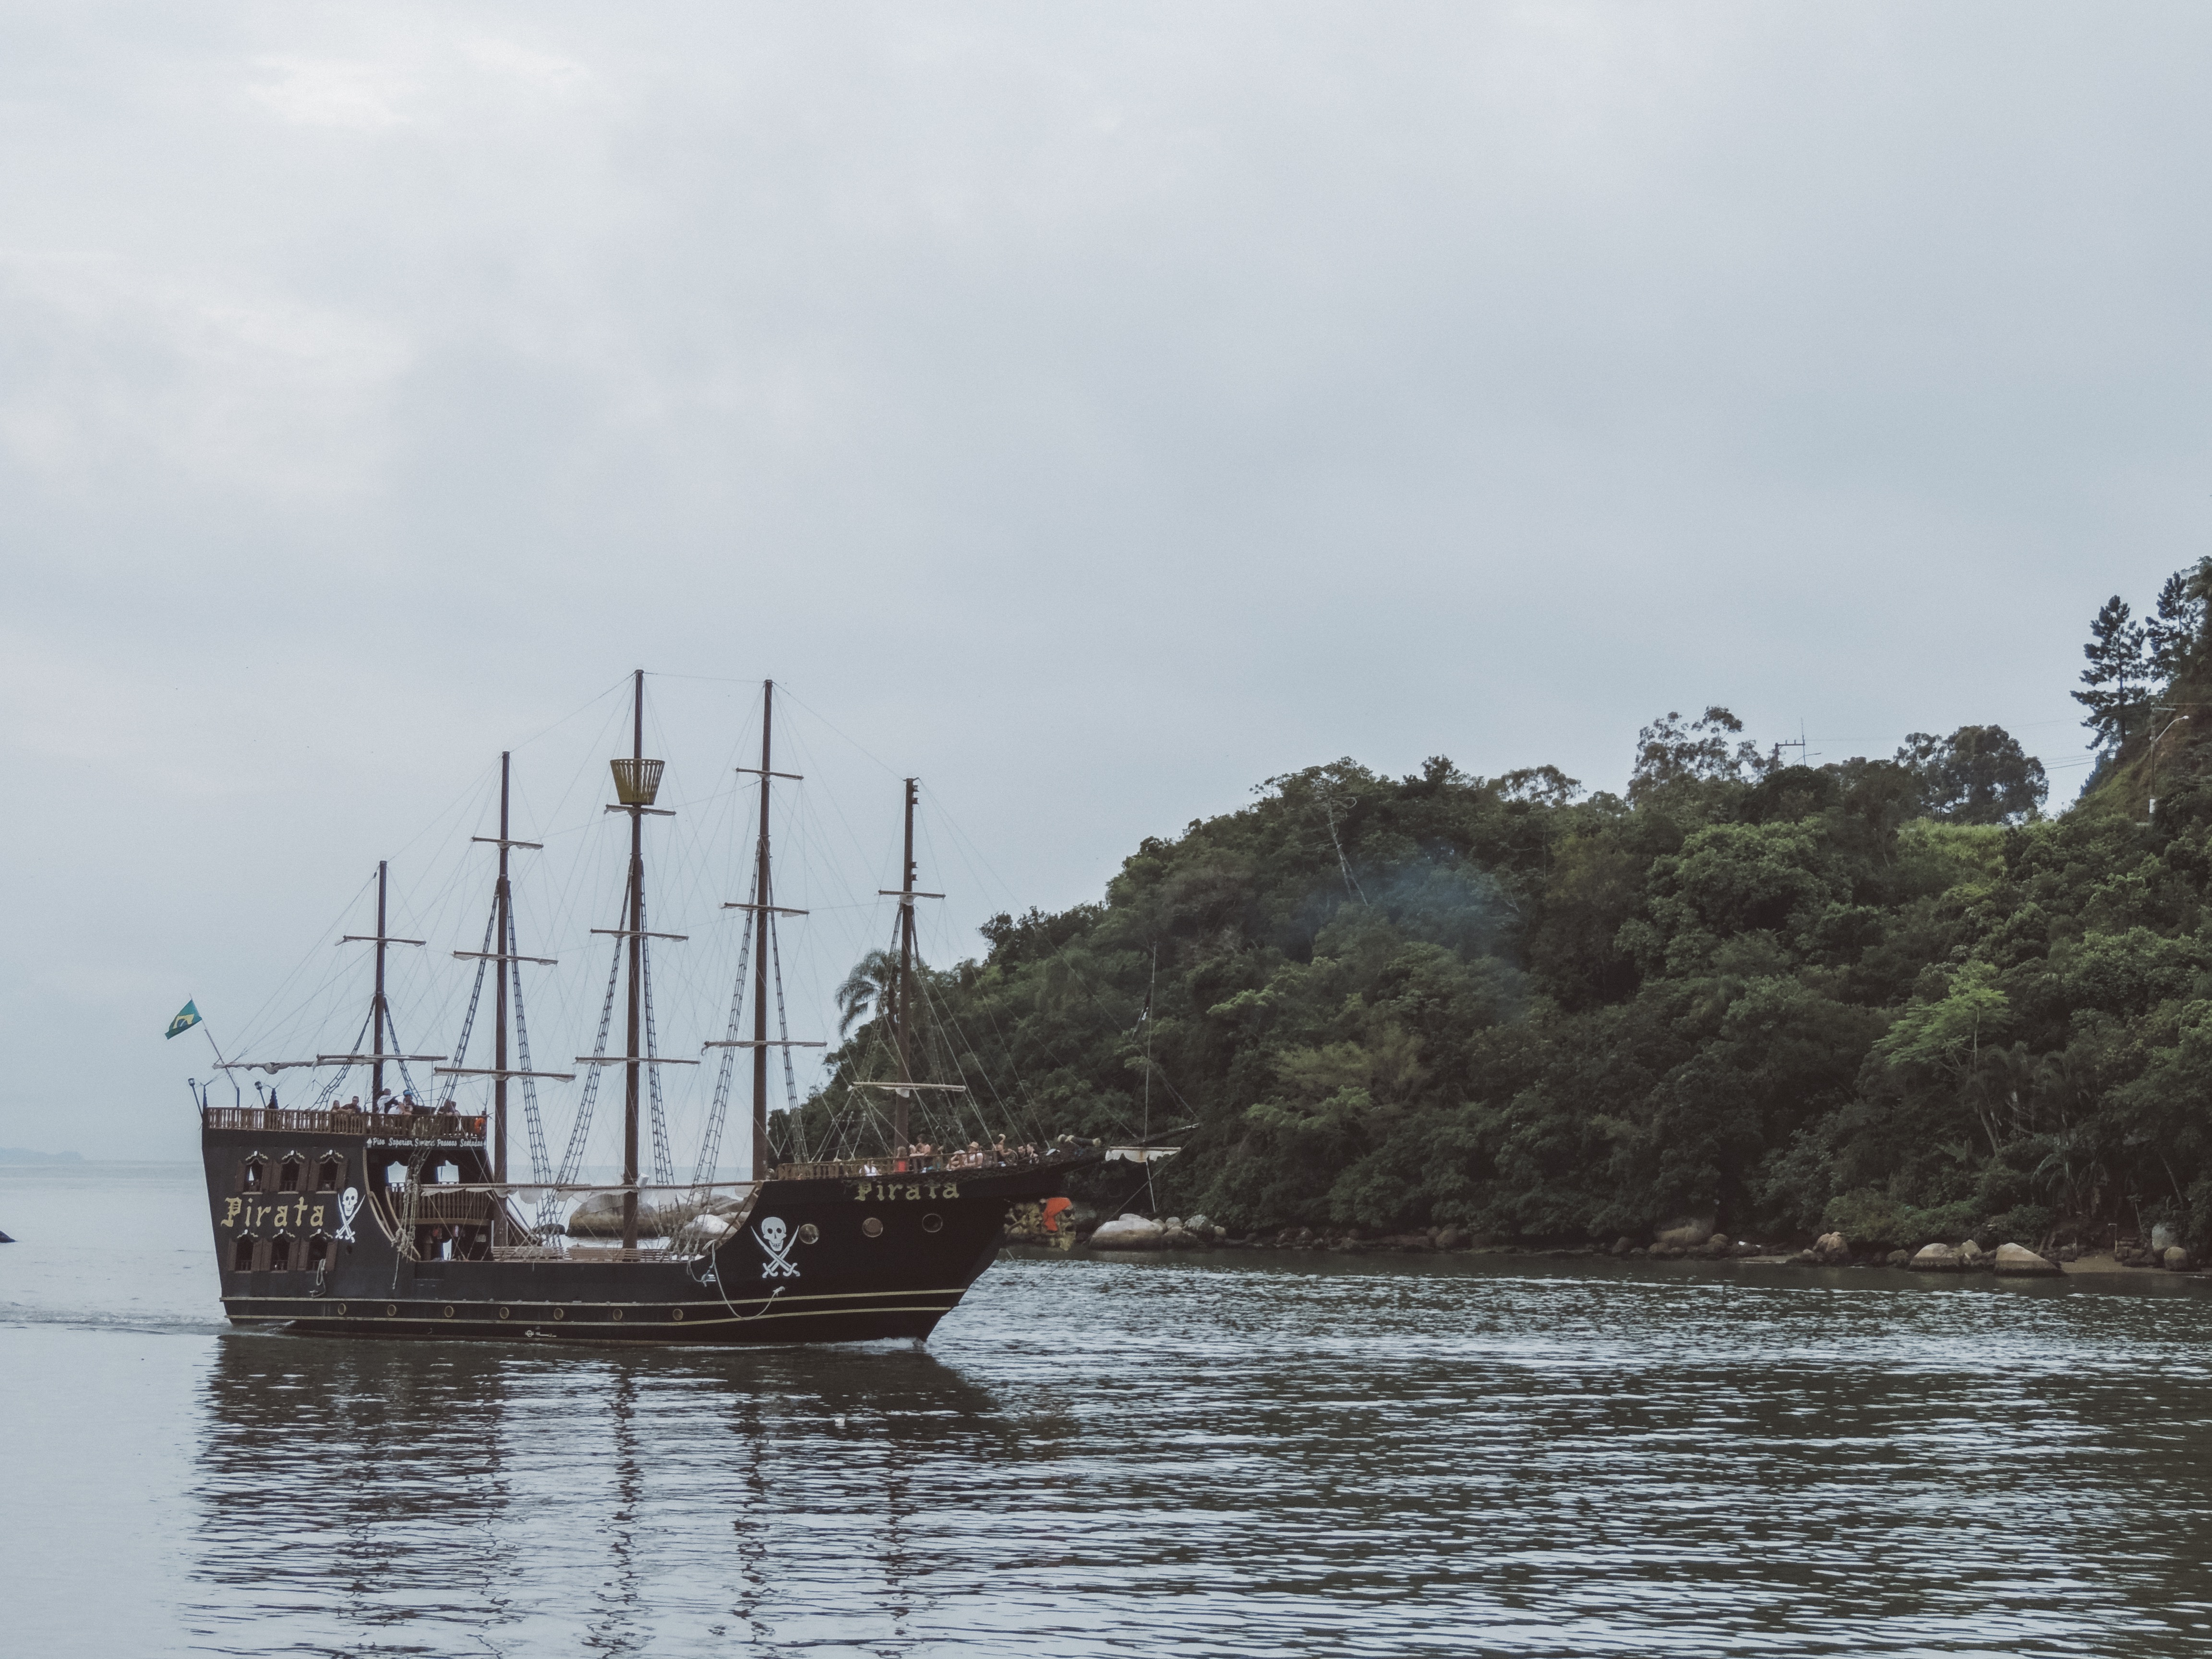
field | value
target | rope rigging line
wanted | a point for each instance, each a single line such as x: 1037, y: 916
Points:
x: 252, y: 1032
x: 664, y: 1165
x: 541, y: 1163
x: 782, y: 1025
x: 972, y: 856
x: 476, y: 994
x: 412, y: 1196
x: 549, y: 1206
x: 710, y: 1142
x: 948, y: 1025
x: 406, y: 1076
x: 338, y: 1081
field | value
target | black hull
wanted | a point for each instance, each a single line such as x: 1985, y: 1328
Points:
x: 834, y: 1279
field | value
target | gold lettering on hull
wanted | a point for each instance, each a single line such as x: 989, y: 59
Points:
x: 899, y: 1191
x: 291, y: 1212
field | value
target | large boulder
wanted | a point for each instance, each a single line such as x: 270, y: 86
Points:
x: 1832, y: 1249
x: 2019, y: 1259
x: 1686, y: 1234
x: 1935, y: 1259
x: 2163, y: 1238
x: 1129, y: 1232
x: 2175, y: 1258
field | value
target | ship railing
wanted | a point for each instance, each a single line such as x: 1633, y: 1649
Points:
x: 843, y: 1169
x: 432, y: 1127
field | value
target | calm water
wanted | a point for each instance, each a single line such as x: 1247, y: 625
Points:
x: 1278, y: 1456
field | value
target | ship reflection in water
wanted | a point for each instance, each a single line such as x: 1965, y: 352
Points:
x: 406, y: 1498
x: 1287, y: 1455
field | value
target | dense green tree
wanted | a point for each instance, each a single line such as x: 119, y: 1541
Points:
x: 1673, y: 760
x: 1978, y: 774
x: 1883, y: 996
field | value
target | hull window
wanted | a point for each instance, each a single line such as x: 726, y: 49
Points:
x: 318, y: 1254
x: 256, y: 1178
x: 329, y: 1175
x: 287, y: 1176
x: 241, y: 1256
x: 280, y: 1255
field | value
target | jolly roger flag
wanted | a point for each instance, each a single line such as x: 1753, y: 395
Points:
x: 187, y: 1017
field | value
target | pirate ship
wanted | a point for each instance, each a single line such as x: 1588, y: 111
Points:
x: 396, y: 1216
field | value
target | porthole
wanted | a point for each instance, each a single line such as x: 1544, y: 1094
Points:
x: 873, y: 1228
x: 504, y: 1313
x: 932, y: 1224
x: 559, y: 1313
x: 616, y: 1314
x: 448, y: 1311
x: 676, y: 1313
x: 391, y: 1309
x: 342, y: 1307
x: 809, y: 1233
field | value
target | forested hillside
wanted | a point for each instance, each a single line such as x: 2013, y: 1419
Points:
x: 1885, y: 995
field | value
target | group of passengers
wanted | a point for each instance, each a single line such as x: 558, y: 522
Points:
x: 922, y: 1156
x: 405, y: 1103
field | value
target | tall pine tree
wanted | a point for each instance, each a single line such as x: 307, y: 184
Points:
x: 2173, y: 634
x: 2115, y: 672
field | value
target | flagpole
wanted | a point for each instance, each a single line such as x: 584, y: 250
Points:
x: 222, y: 1065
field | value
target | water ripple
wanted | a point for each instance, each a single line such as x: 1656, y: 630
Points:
x: 1109, y: 1458
x: 1268, y: 1455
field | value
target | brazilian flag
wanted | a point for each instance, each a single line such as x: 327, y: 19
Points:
x: 187, y: 1017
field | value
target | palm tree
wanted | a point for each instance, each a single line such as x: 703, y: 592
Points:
x: 868, y: 991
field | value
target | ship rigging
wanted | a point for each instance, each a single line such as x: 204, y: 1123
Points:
x: 378, y: 1199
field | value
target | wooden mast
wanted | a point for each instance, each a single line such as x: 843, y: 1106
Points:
x: 499, y: 1005
x: 761, y: 918
x: 764, y: 910
x: 378, y: 1012
x: 905, y: 1021
x: 636, y: 926
x: 380, y: 1008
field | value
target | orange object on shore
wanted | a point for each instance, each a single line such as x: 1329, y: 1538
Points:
x: 1053, y: 1207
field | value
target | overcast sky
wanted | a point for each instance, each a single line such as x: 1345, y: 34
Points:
x: 1094, y: 410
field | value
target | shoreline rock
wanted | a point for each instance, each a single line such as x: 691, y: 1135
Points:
x: 2019, y: 1259
x: 1128, y: 1232
x: 1131, y: 1232
x: 1936, y: 1259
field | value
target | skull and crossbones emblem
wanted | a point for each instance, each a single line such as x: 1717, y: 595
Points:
x: 348, y: 1203
x: 779, y: 1241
